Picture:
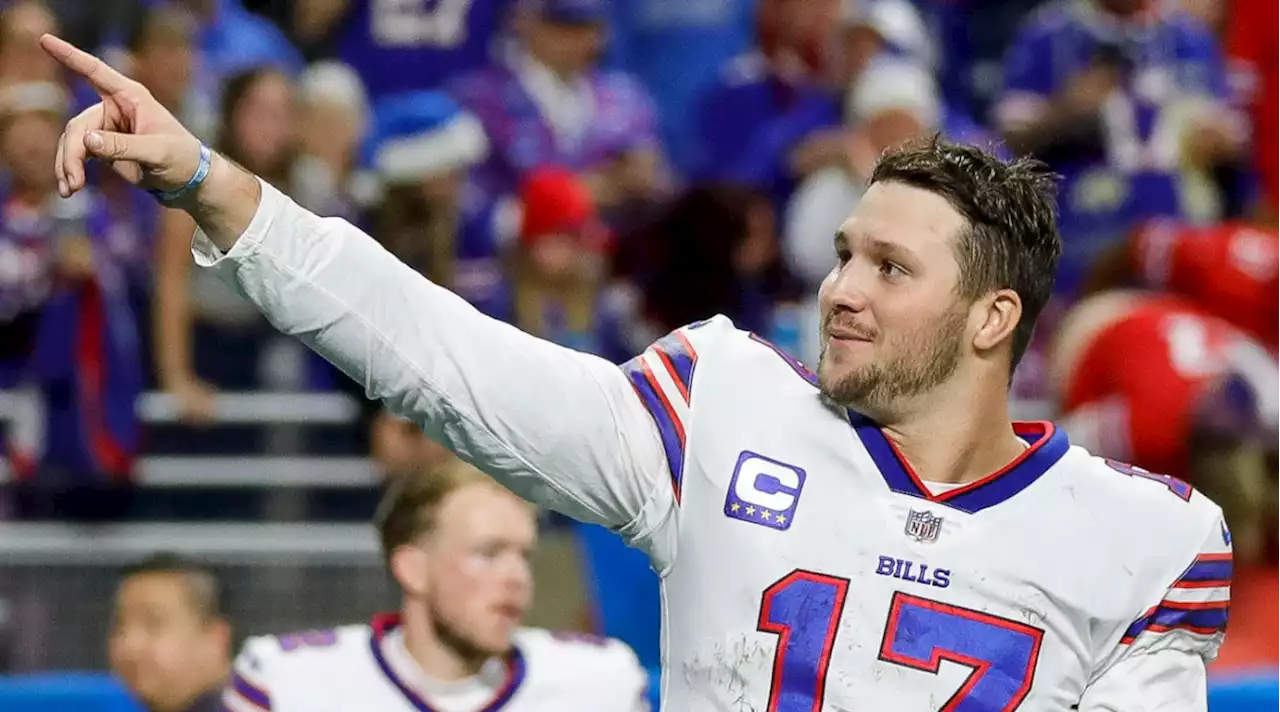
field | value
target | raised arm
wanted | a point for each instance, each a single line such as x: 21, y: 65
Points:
x: 561, y: 428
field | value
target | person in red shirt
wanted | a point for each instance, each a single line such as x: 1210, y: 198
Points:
x: 1157, y: 381
x: 1231, y: 270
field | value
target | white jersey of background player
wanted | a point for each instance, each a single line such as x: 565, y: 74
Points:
x: 805, y: 564
x: 457, y: 543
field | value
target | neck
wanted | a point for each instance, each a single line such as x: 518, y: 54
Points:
x: 564, y: 75
x: 435, y: 657
x: 958, y: 432
x: 29, y: 193
x: 212, y: 684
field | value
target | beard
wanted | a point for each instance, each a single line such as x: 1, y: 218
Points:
x: 465, y: 646
x: 917, y: 361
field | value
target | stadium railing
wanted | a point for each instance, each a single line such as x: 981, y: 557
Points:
x: 272, y: 409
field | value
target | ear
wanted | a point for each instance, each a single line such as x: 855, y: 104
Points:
x: 998, y: 315
x: 409, y: 567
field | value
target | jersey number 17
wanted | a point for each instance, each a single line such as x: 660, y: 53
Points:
x: 803, y: 609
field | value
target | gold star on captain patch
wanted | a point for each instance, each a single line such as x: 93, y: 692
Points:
x: 735, y: 507
x: 781, y: 519
x: 765, y: 514
x: 750, y: 510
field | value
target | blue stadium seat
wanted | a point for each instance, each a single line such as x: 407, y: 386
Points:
x: 1245, y: 692
x: 623, y: 591
x: 64, y: 692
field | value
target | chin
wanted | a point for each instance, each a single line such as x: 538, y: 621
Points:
x: 496, y: 640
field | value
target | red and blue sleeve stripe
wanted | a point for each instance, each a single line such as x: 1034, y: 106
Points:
x: 1207, y: 571
x: 1207, y: 579
x: 1205, y: 618
x: 663, y: 379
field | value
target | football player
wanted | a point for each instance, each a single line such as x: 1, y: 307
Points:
x: 879, y: 535
x: 458, y: 545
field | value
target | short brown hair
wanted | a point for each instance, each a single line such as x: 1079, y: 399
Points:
x: 411, y: 505
x: 1011, y: 240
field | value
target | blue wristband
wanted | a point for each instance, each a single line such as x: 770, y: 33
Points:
x: 202, y: 171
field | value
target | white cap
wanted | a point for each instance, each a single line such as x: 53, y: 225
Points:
x: 335, y: 82
x: 896, y: 21
x: 895, y: 84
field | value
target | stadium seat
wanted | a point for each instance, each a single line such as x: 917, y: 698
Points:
x: 64, y: 692
x: 623, y: 591
x: 1245, y: 692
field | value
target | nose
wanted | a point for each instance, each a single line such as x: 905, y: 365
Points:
x: 518, y: 576
x: 842, y: 290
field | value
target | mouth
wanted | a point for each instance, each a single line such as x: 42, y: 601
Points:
x: 509, y: 611
x: 847, y: 335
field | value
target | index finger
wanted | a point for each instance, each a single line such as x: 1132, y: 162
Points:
x: 104, y: 79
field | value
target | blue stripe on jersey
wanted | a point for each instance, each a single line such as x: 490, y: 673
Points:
x: 1206, y: 572
x: 515, y: 673
x: 1206, y: 618
x: 247, y: 690
x: 1046, y: 445
x: 655, y: 401
x: 800, y: 369
x: 677, y: 353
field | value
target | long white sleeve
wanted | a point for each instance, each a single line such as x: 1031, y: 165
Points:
x: 1167, y: 680
x: 561, y: 428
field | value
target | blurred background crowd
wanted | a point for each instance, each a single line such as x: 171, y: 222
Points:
x: 597, y: 173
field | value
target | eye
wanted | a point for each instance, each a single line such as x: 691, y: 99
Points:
x: 844, y: 255
x: 892, y: 270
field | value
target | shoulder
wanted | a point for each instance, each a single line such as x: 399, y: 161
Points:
x: 576, y: 657
x: 1171, y: 548
x: 716, y: 340
x: 1152, y: 523
x: 272, y: 658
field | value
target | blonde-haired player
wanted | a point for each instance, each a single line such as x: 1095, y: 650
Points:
x: 457, y: 543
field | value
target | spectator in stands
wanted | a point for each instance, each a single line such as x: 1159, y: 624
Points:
x: 713, y: 251
x: 557, y: 264
x: 162, y: 54
x: 430, y: 216
x: 21, y: 25
x: 256, y: 129
x: 257, y: 124
x: 68, y: 330
x: 153, y: 243
x: 781, y: 76
x: 549, y: 103
x: 234, y: 40
x: 1126, y: 99
x: 871, y: 28
x: 334, y: 118
x: 169, y: 642
x: 677, y: 49
x: 399, y: 47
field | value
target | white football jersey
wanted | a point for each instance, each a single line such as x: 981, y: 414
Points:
x: 805, y: 566
x: 367, y: 667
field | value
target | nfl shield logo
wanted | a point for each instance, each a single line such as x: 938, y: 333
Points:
x: 923, y: 526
